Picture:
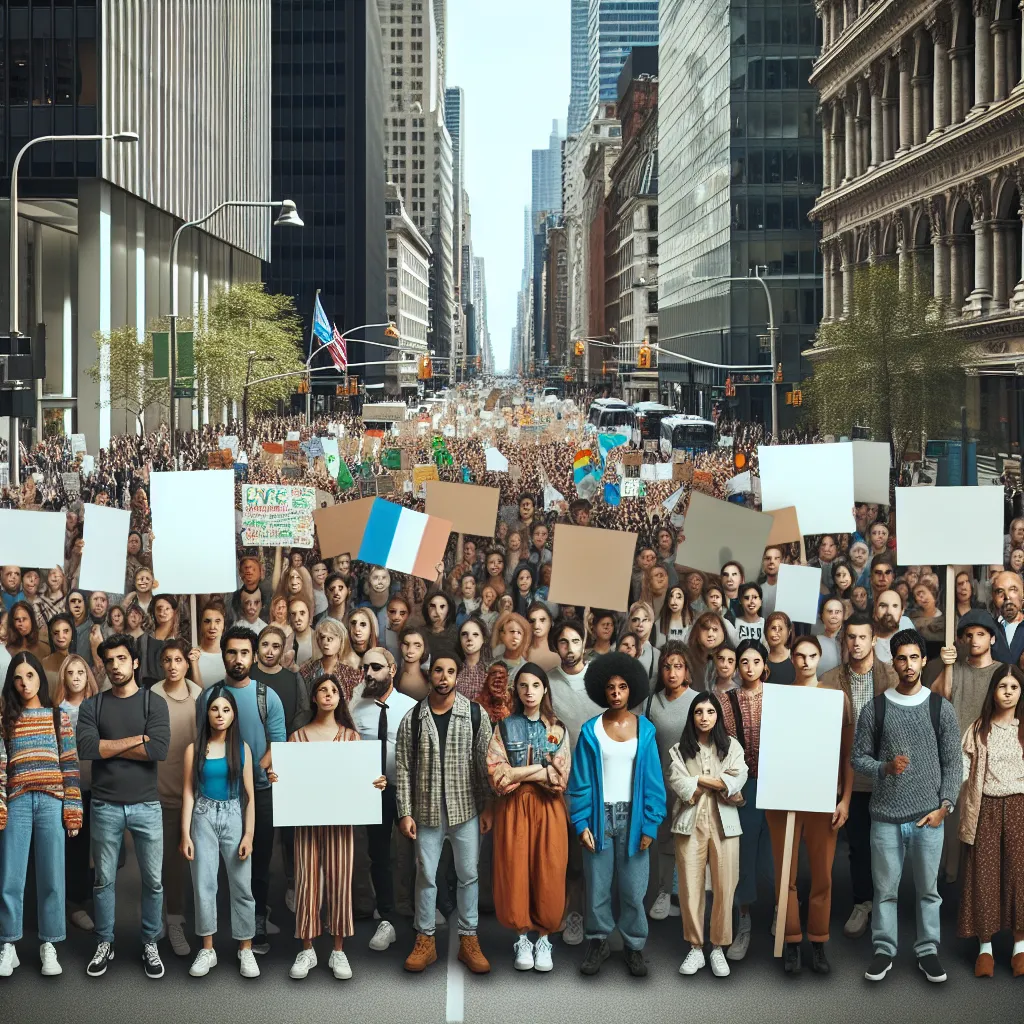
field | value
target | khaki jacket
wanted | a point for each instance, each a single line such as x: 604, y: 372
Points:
x: 682, y: 782
x: 969, y: 805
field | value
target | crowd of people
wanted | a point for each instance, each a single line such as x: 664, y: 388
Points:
x: 591, y: 769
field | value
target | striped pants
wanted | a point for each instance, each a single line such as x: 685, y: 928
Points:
x: 326, y: 849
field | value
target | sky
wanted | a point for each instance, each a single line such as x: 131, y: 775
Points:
x: 512, y: 62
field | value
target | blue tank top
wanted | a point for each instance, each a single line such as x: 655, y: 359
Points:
x: 213, y: 781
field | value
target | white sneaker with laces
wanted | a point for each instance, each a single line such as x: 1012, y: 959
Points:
x: 304, y: 963
x: 542, y: 954
x: 694, y: 961
x: 660, y: 907
x: 247, y: 966
x: 81, y: 919
x: 383, y: 936
x: 289, y: 900
x: 48, y: 955
x: 8, y: 960
x: 719, y: 965
x: 340, y: 965
x: 176, y: 935
x: 524, y: 953
x: 740, y: 941
x: 857, y: 923
x: 204, y: 961
x: 572, y: 932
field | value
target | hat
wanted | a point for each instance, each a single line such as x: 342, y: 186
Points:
x: 603, y: 667
x: 977, y: 617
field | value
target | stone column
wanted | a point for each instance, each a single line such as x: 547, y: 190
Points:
x: 982, y: 55
x: 863, y: 128
x: 837, y: 145
x: 826, y: 296
x: 940, y: 268
x: 834, y: 26
x: 906, y: 59
x: 1000, y: 291
x: 1017, y: 302
x: 877, y: 119
x: 939, y: 30
x: 821, y: 10
x: 1000, y: 60
x: 888, y: 115
x: 826, y: 148
x: 956, y: 275
x: 957, y: 86
x: 979, y: 302
x: 1020, y: 54
x: 850, y: 109
x: 903, y: 255
x: 847, y: 268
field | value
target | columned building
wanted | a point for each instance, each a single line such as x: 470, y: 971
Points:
x: 922, y: 122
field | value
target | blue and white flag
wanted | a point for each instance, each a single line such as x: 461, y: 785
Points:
x: 321, y: 325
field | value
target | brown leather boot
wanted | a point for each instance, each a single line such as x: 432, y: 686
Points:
x: 423, y: 954
x: 984, y: 966
x: 1017, y: 964
x: 472, y: 955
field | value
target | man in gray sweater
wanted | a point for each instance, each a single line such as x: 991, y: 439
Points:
x: 908, y: 741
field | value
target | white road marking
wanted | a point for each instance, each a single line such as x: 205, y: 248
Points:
x: 455, y: 1002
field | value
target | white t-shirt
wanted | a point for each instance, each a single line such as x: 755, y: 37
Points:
x: 616, y: 766
x: 908, y: 700
x: 366, y: 717
x: 749, y: 630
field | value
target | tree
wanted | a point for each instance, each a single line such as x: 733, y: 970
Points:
x: 891, y: 365
x: 128, y: 366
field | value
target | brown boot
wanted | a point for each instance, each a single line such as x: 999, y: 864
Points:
x: 984, y: 966
x: 423, y: 954
x: 472, y: 955
x: 1017, y: 964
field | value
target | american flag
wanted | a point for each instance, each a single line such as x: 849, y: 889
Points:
x: 338, y: 350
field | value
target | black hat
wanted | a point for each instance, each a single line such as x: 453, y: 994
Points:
x: 603, y: 667
x: 977, y: 617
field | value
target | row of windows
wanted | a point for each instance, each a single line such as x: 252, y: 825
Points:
x: 775, y: 24
x: 288, y: 165
x: 771, y: 213
x: 307, y: 134
x: 44, y: 72
x: 774, y: 119
x: 787, y: 166
x: 769, y: 73
x: 299, y: 101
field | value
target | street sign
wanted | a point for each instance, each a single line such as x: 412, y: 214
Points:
x: 765, y: 376
x: 184, y: 392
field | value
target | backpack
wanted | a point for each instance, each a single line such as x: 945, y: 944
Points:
x: 417, y: 728
x: 261, y: 707
x: 934, y: 710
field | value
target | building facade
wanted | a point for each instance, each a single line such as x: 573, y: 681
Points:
x: 740, y: 165
x: 614, y: 27
x: 546, y: 179
x: 923, y: 134
x: 579, y: 55
x: 454, y: 113
x: 95, y: 220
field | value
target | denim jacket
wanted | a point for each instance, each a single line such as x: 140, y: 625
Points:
x: 520, y: 736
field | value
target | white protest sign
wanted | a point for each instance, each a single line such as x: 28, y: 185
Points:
x: 815, y: 478
x: 277, y: 515
x: 495, y: 461
x: 229, y: 441
x: 783, y: 780
x: 352, y: 800
x: 194, y: 531
x: 949, y: 525
x: 105, y: 551
x: 871, y: 471
x: 33, y: 539
x: 798, y: 591
x: 78, y: 444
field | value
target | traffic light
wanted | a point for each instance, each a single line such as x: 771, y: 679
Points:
x: 567, y: 378
x: 740, y: 462
x: 643, y: 357
x: 798, y: 397
x: 730, y: 388
x: 391, y: 331
x: 478, y: 362
x: 426, y: 368
x: 304, y: 386
x: 579, y: 348
x: 778, y: 374
x: 339, y: 390
x: 789, y: 398
x: 353, y: 385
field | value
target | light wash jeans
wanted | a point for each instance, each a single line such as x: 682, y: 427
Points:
x: 600, y: 870
x: 465, y: 844
x: 216, y: 834
x: 755, y: 847
x: 889, y: 845
x: 145, y: 822
x: 35, y: 819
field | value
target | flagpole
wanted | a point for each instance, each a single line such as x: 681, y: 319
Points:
x: 309, y: 378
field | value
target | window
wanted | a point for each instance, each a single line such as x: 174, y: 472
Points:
x: 773, y: 214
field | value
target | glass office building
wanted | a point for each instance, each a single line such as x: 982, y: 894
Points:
x: 614, y: 27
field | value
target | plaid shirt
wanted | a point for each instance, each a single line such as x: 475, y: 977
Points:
x: 465, y: 788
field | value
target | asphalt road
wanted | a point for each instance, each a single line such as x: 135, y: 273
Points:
x: 380, y: 991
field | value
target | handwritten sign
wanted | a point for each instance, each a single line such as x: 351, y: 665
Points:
x: 277, y: 516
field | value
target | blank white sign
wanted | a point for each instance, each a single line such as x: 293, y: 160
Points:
x: 798, y: 591
x: 326, y: 783
x: 949, y: 525
x: 816, y: 478
x: 792, y: 774
x: 722, y: 531
x: 194, y: 531
x: 32, y: 539
x: 871, y: 471
x: 106, y: 548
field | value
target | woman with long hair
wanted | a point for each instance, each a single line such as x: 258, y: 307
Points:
x: 300, y: 615
x: 331, y: 640
x: 476, y: 654
x: 166, y: 626
x: 78, y: 607
x: 61, y: 629
x: 117, y: 621
x: 640, y: 620
x: 439, y: 616
x: 693, y: 585
x: 676, y: 617
x: 966, y: 591
x: 510, y: 640
x: 295, y: 583
x: 524, y: 586
x: 362, y: 630
x: 496, y: 697
x: 654, y: 587
x: 40, y: 801
x: 209, y: 670
x: 706, y: 775
x: 488, y: 613
x: 706, y: 637
x: 218, y: 819
x: 23, y: 631
x: 992, y: 822
x: 665, y: 548
x: 528, y: 764
x: 494, y: 571
x: 843, y: 580
x: 601, y: 635
x: 325, y: 848
x: 778, y: 635
x: 539, y: 651
x: 53, y: 600
x: 415, y: 657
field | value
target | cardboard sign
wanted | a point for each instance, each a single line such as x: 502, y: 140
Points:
x: 633, y: 487
x: 340, y: 527
x: 632, y: 458
x: 421, y: 473
x: 222, y: 459
x: 949, y: 525
x: 470, y: 508
x: 591, y: 567
x: 277, y: 516
x: 721, y: 531
x: 703, y: 481
x: 650, y: 446
x: 682, y: 472
x: 78, y: 444
x: 297, y: 803
x: 785, y: 527
x: 494, y: 461
x: 72, y: 484
x: 385, y: 484
x: 798, y: 592
x: 324, y: 499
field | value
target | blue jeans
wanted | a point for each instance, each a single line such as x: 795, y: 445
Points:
x: 145, y: 822
x: 755, y: 847
x: 465, y: 843
x: 35, y: 819
x: 889, y: 845
x: 216, y: 835
x: 600, y: 870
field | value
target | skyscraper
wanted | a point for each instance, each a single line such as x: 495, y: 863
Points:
x: 579, y: 49
x: 546, y: 190
x: 614, y: 27
x: 454, y: 112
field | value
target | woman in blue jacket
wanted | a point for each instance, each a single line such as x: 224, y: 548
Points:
x: 616, y: 802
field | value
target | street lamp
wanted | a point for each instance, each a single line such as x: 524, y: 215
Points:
x: 13, y: 458
x: 287, y: 216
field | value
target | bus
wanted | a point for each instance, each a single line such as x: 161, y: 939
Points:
x: 611, y: 416
x: 686, y: 433
x: 648, y: 421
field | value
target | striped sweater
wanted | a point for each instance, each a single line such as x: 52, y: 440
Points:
x: 31, y: 764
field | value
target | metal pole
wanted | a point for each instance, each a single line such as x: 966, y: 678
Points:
x: 772, y: 342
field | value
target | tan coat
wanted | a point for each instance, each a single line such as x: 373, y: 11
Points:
x: 682, y: 781
x: 838, y: 678
x: 975, y: 763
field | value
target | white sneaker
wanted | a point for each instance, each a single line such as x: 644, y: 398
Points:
x: 542, y: 954
x: 660, y: 907
x: 8, y: 960
x: 289, y: 900
x: 694, y: 961
x: 304, y: 963
x: 740, y: 941
x: 48, y: 955
x: 81, y: 919
x: 383, y: 936
x: 572, y: 930
x: 247, y: 966
x: 719, y: 965
x: 857, y: 923
x: 205, y: 959
x: 176, y: 934
x: 524, y: 953
x: 673, y: 908
x: 340, y: 965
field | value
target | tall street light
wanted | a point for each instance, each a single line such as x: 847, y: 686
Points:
x: 391, y: 331
x: 13, y: 458
x: 288, y: 215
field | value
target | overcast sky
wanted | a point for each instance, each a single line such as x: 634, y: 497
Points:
x: 512, y: 62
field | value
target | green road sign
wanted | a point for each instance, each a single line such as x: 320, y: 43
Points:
x: 161, y: 354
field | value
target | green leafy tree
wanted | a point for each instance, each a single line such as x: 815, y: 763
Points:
x: 890, y: 366
x: 129, y: 370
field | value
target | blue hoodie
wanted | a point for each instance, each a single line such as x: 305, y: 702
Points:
x: 586, y: 790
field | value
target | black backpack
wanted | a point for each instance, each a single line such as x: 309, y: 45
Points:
x: 934, y: 710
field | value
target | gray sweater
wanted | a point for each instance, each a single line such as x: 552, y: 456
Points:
x: 935, y: 771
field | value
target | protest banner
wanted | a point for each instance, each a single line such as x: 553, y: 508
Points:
x: 277, y: 516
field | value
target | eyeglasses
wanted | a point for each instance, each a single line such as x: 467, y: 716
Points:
x: 374, y: 668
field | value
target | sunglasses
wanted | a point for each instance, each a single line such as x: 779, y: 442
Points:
x: 375, y: 667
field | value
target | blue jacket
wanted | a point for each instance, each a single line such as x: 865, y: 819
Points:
x: 585, y: 790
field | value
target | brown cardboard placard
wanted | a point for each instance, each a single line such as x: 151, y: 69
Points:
x: 632, y: 458
x: 785, y: 528
x: 591, y: 567
x: 703, y: 481
x: 721, y: 531
x: 422, y: 473
x: 340, y: 527
x: 682, y: 472
x: 471, y: 508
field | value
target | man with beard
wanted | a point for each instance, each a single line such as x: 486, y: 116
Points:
x: 377, y: 710
x: 573, y: 707
x: 1007, y: 598
x: 261, y: 720
x: 125, y: 732
x: 284, y: 682
x: 378, y: 590
x: 443, y: 792
x: 887, y: 615
x: 908, y: 741
x: 771, y: 562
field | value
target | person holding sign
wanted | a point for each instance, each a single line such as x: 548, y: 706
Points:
x: 908, y: 741
x: 818, y: 831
